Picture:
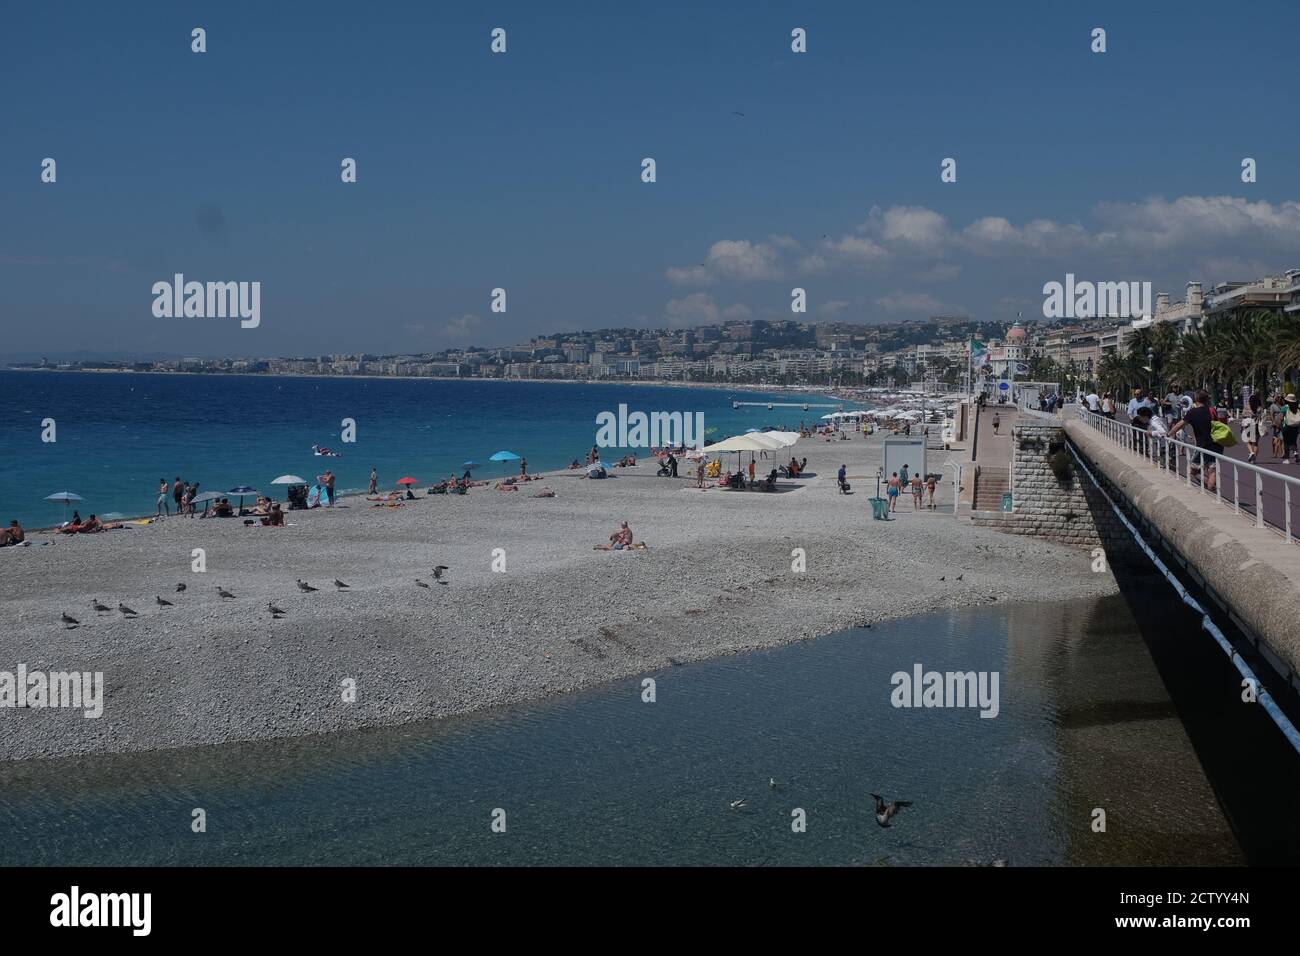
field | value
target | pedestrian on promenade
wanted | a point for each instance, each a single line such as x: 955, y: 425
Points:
x: 891, y: 491
x: 699, y: 475
x: 374, y: 481
x: 996, y: 422
x: 1290, y: 429
x: 1250, y: 427
x: 1199, y: 418
x: 918, y: 489
x: 931, y: 483
x: 162, y: 496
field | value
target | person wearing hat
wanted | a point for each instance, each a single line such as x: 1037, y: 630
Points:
x: 1290, y: 428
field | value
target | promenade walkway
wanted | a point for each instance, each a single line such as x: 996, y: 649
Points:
x: 993, y: 453
x: 1237, y: 489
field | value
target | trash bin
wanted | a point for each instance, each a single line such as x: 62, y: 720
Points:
x: 880, y: 509
x: 1006, y: 501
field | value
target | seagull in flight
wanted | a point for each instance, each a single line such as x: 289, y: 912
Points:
x: 885, y: 812
x: 737, y: 804
x: 180, y: 588
x: 437, y: 571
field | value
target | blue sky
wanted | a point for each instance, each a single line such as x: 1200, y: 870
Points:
x: 522, y: 170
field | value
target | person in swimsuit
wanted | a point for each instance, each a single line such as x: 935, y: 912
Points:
x: 892, y: 491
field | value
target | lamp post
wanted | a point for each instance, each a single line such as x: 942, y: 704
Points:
x: 1151, y: 368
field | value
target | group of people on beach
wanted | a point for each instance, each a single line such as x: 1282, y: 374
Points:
x: 918, y: 484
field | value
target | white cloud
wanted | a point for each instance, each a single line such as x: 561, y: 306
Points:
x: 698, y: 308
x: 461, y: 328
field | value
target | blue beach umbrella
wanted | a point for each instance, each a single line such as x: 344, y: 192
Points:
x: 505, y: 457
x: 65, y: 497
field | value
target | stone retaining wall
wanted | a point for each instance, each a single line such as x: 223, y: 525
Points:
x: 1045, y: 506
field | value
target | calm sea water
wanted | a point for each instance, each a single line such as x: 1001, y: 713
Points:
x: 1104, y: 704
x: 119, y: 433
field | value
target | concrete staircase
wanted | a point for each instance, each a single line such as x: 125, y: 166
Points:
x: 993, y: 480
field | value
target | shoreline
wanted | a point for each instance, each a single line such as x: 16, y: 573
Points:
x: 556, y: 616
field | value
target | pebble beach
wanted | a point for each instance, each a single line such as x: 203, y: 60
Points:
x: 555, y: 615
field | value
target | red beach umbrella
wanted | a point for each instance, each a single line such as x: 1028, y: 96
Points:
x: 407, y: 481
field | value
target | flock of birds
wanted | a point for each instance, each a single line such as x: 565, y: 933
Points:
x: 276, y: 613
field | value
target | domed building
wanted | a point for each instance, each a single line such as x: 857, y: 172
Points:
x: 1014, y: 351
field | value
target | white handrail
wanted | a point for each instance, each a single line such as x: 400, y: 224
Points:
x: 1164, y: 453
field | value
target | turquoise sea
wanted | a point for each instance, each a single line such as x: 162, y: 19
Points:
x: 117, y: 434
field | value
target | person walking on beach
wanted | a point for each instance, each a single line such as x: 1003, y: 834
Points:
x: 918, y: 488
x: 699, y: 475
x: 903, y: 477
x: 523, y: 467
x: 842, y: 478
x: 997, y: 420
x: 892, y: 491
x: 751, y: 471
x: 163, y: 491
x: 178, y: 492
x: 326, y: 481
x: 931, y: 483
x: 374, y: 481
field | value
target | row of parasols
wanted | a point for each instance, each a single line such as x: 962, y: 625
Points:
x: 243, y: 491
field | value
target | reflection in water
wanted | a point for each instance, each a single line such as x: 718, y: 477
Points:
x: 601, y: 777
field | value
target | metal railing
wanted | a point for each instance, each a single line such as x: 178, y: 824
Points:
x: 1269, y: 496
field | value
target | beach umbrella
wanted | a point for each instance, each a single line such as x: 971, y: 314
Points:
x: 65, y: 497
x: 504, y: 456
x: 470, y: 464
x: 407, y: 481
x: 289, y: 480
x: 242, y: 490
x: 205, y: 497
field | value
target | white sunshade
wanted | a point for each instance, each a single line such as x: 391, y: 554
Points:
x: 289, y: 480
x: 757, y: 441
